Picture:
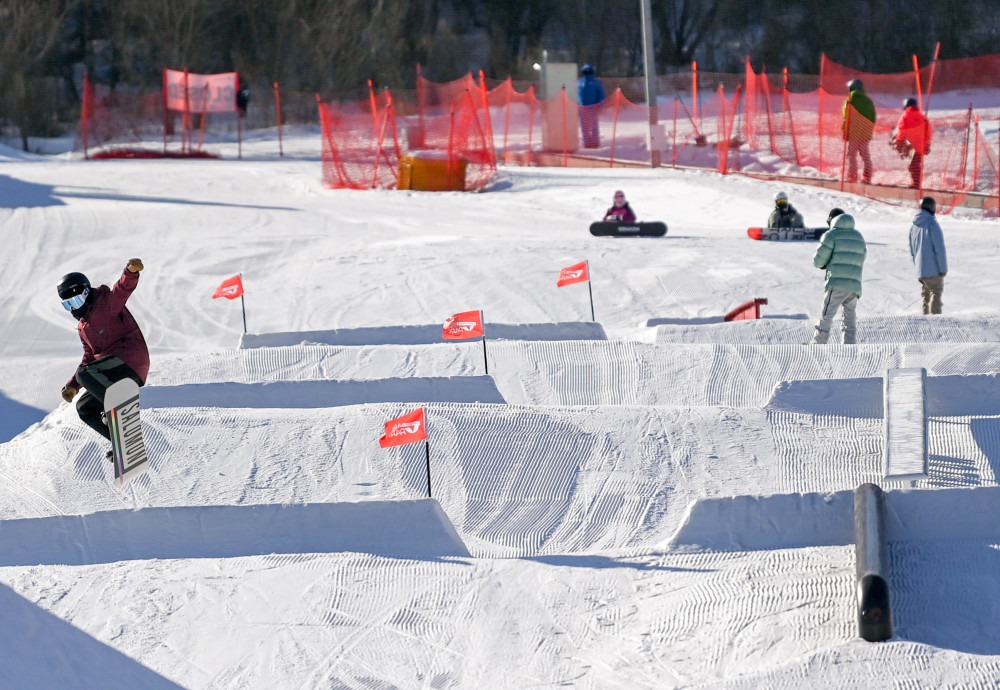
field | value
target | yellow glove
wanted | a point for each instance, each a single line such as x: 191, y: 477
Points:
x: 68, y: 393
x: 134, y: 265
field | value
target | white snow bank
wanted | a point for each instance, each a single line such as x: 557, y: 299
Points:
x: 313, y: 394
x: 783, y: 521
x: 947, y: 396
x: 40, y: 650
x: 424, y: 335
x: 407, y: 529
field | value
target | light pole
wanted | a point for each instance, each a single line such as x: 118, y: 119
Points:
x: 650, y: 70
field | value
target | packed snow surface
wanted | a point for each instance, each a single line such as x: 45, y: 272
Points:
x: 655, y: 500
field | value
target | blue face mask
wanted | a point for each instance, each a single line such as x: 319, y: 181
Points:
x: 77, y: 301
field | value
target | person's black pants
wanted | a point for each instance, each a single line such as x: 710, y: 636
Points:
x: 97, y: 377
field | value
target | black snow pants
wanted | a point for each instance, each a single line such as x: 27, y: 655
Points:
x: 97, y: 377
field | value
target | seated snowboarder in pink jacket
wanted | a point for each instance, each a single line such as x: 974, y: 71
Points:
x: 620, y: 212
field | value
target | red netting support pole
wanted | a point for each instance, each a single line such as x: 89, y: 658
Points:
x: 391, y: 114
x: 732, y: 124
x: 721, y: 147
x: 975, y: 157
x: 277, y: 110
x: 785, y: 105
x: 506, y: 120
x: 848, y: 111
x: 452, y: 163
x: 748, y: 122
x: 205, y: 94
x: 185, y: 143
x: 239, y: 123
x: 795, y: 140
x: 916, y: 77
x: 487, y: 120
x: 532, y: 104
x: 673, y: 146
x: 614, y: 126
x: 420, y: 101
x: 694, y: 91
x: 375, y: 131
x: 930, y: 81
x: 166, y: 111
x: 819, y: 123
x: 85, y: 109
x: 565, y: 131
x: 765, y: 85
x: 964, y: 158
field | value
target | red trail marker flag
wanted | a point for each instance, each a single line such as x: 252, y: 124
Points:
x: 231, y: 288
x: 468, y: 324
x: 409, y: 428
x: 577, y: 273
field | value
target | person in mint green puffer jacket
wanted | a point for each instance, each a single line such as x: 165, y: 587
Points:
x: 842, y: 253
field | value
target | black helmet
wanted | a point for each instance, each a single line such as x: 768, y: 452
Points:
x: 834, y: 212
x: 928, y: 204
x: 910, y: 101
x: 587, y: 69
x: 71, y: 285
x: 855, y: 85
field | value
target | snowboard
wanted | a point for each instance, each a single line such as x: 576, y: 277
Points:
x: 785, y: 233
x: 121, y: 409
x: 650, y: 229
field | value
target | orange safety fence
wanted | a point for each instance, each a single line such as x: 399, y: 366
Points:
x: 369, y: 145
x: 759, y: 124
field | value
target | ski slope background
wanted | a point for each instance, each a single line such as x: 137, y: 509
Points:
x: 658, y: 499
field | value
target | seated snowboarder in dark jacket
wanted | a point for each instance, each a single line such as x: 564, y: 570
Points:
x: 784, y: 214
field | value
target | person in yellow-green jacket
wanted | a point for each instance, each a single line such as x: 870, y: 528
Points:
x: 859, y: 126
x: 842, y: 254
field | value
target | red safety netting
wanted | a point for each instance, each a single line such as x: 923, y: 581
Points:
x: 364, y: 143
x: 780, y: 125
x: 360, y: 145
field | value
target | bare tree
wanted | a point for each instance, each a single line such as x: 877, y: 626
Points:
x: 683, y: 25
x: 28, y: 29
x: 605, y: 33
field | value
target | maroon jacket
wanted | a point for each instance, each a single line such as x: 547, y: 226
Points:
x: 108, y: 328
x: 621, y: 214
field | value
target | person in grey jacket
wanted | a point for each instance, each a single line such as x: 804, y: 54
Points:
x: 928, y: 254
x: 784, y: 214
x: 842, y: 253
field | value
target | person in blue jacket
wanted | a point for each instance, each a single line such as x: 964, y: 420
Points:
x: 928, y: 254
x: 842, y: 255
x: 590, y: 94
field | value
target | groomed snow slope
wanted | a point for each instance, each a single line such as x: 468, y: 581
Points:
x: 659, y: 502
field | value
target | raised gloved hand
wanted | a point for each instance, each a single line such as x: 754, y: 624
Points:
x: 134, y: 265
x: 68, y: 393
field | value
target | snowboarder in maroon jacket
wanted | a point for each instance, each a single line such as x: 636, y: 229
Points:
x: 113, y: 346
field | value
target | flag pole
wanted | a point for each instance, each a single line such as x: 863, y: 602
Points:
x: 486, y: 364
x: 243, y: 305
x: 590, y: 290
x: 427, y: 450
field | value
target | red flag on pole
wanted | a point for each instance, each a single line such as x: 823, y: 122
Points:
x: 231, y: 288
x: 577, y: 273
x: 409, y: 428
x: 468, y: 324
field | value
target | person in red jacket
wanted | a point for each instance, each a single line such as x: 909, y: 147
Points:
x: 620, y: 211
x: 913, y: 133
x: 113, y: 346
